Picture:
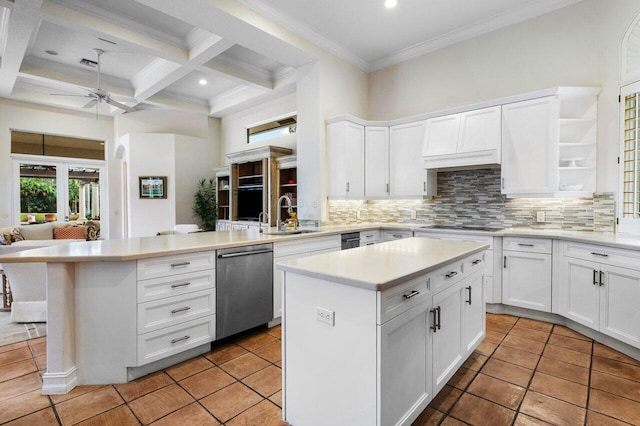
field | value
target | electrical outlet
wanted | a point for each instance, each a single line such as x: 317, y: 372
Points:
x: 326, y: 316
x: 358, y: 214
x: 414, y: 214
x: 540, y: 217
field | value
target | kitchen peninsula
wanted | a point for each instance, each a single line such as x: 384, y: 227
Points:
x: 373, y: 333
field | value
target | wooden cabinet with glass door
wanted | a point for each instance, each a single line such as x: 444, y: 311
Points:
x: 223, y: 193
x: 288, y: 182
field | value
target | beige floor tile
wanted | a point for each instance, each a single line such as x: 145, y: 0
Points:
x: 530, y: 333
x: 15, y: 355
x: 523, y: 344
x: 614, y: 406
x: 552, y: 410
x: 480, y: 412
x: 498, y: 391
x: 265, y: 413
x: 486, y: 348
x: 75, y: 392
x: 39, y: 349
x: 616, y: 385
x: 276, y: 398
x: 119, y: 416
x: 567, y: 355
x: 266, y: 381
x: 616, y: 368
x: 244, y: 365
x: 535, y: 324
x: 564, y: 331
x: 272, y: 352
x: 597, y: 419
x: 571, y: 343
x: 564, y: 370
x: 562, y: 389
x: 20, y: 385
x: 607, y: 352
x: 255, y: 340
x: 224, y: 353
x: 13, y: 346
x: 508, y: 372
x: 524, y: 420
x: 17, y: 369
x: 516, y: 356
x: 44, y: 417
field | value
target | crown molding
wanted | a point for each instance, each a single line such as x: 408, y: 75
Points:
x: 493, y: 23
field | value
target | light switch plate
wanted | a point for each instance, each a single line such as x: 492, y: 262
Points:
x: 326, y: 316
x: 414, y: 214
x: 540, y: 217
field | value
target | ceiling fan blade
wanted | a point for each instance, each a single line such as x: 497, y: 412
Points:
x: 118, y: 105
x: 90, y: 104
x: 73, y: 96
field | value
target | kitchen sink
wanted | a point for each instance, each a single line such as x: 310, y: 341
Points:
x: 291, y: 231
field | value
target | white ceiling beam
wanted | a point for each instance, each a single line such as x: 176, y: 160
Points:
x: 235, y: 22
x: 178, y: 104
x: 18, y: 26
x: 87, y: 24
x: 222, y: 69
x: 161, y: 73
x: 232, y: 97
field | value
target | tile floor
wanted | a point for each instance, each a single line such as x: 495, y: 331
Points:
x: 524, y: 373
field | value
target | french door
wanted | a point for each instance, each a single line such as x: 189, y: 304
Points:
x: 57, y: 189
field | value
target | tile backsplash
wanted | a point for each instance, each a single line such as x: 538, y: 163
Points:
x: 473, y: 197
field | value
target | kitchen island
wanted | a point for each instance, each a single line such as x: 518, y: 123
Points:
x: 371, y: 334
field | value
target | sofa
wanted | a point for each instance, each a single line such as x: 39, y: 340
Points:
x: 28, y: 280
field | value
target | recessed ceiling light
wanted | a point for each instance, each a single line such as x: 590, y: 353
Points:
x: 51, y: 52
x: 202, y: 82
x: 391, y: 3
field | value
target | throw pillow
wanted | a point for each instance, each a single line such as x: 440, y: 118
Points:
x: 16, y: 235
x: 5, y: 239
x: 70, y: 233
x: 93, y: 230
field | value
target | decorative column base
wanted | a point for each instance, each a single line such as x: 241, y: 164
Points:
x: 59, y: 383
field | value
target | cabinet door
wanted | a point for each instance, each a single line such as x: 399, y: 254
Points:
x: 405, y: 366
x: 619, y: 298
x: 376, y: 161
x: 345, y: 153
x: 407, y: 174
x: 529, y: 145
x: 579, y: 292
x: 473, y: 324
x: 480, y: 130
x: 441, y: 135
x: 447, y: 337
x: 526, y: 280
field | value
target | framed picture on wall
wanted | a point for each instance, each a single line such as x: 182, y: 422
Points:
x: 153, y: 187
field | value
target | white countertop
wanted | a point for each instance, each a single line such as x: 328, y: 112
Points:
x: 380, y: 266
x: 145, y: 247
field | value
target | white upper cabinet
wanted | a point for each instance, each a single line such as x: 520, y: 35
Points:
x: 441, y: 135
x: 376, y: 161
x: 408, y: 177
x: 345, y: 154
x: 470, y: 138
x: 529, y: 130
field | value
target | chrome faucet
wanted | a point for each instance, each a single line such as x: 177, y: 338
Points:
x: 260, y: 216
x: 289, y: 209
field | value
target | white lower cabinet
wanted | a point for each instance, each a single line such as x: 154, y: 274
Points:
x: 390, y: 235
x: 598, y: 294
x: 405, y: 365
x: 391, y: 350
x: 526, y: 274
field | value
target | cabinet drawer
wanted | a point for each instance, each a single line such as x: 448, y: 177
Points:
x: 303, y: 245
x: 369, y: 237
x: 389, y: 235
x: 166, y: 312
x: 475, y: 263
x: 447, y: 275
x: 531, y: 245
x: 177, y: 264
x: 608, y: 255
x: 174, y: 285
x: 399, y: 299
x: 178, y: 338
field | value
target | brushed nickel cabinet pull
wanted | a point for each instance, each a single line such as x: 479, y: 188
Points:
x: 184, y: 284
x: 177, y: 265
x: 180, y: 339
x: 175, y: 311
x: 414, y: 293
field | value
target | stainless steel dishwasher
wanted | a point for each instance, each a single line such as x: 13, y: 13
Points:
x: 244, y: 288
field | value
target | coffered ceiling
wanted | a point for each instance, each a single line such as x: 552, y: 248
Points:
x: 156, y: 52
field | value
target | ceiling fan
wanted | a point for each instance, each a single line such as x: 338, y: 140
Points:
x: 98, y: 95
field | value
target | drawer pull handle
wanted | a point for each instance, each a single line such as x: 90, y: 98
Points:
x: 438, y: 310
x: 601, y: 278
x: 469, y: 289
x: 180, y: 339
x: 435, y: 320
x: 526, y: 245
x: 184, y: 284
x: 177, y: 265
x: 370, y: 244
x: 397, y: 235
x: 595, y: 277
x: 450, y: 275
x: 368, y: 236
x: 475, y: 262
x: 410, y: 295
x: 175, y: 311
x: 599, y: 254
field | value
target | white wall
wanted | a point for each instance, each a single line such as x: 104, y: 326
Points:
x: 574, y: 46
x: 15, y: 115
x: 233, y: 127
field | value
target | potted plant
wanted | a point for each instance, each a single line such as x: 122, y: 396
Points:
x: 204, y: 204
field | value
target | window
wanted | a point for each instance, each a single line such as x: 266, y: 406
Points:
x: 273, y: 129
x: 629, y: 188
x: 57, y: 178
